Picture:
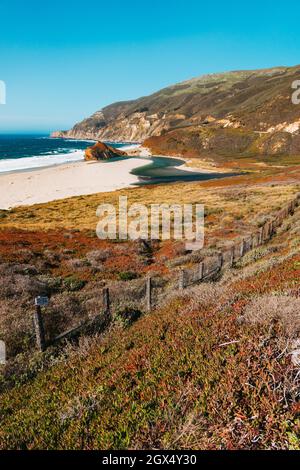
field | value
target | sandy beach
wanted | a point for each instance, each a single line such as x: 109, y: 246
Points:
x: 62, y: 181
x: 78, y: 178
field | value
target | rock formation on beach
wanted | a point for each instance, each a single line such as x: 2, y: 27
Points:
x: 101, y: 151
x: 241, y: 111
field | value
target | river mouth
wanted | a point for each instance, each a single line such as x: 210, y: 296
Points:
x: 167, y: 170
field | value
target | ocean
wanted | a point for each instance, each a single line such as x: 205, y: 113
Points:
x: 29, y: 152
x: 25, y: 152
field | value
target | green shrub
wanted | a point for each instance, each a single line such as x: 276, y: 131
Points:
x: 127, y: 275
x: 127, y: 315
x: 72, y: 283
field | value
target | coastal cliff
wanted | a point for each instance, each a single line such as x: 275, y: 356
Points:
x: 241, y: 111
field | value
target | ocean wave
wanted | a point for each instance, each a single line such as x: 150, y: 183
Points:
x: 28, y: 163
x: 58, y: 151
x: 128, y: 146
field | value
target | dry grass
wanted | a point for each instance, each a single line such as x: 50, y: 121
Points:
x: 230, y: 211
x: 268, y: 309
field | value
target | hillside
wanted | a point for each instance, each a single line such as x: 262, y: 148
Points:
x: 209, y: 368
x: 233, y: 107
x: 211, y: 364
x: 215, y: 367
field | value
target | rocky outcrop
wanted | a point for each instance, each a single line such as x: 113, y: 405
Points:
x: 101, y: 151
x: 59, y: 134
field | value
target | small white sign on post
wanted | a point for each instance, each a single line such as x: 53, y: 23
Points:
x: 2, y: 353
x: 41, y: 301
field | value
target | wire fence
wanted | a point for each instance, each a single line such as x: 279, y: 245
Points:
x: 147, y: 294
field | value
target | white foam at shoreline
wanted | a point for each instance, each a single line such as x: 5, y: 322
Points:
x: 128, y: 147
x: 28, y: 163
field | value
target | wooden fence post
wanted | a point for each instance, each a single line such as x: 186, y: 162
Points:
x: 251, y: 246
x: 292, y: 207
x: 106, y: 302
x: 39, y: 328
x: 271, y: 228
x: 266, y: 231
x: 182, y: 279
x: 232, y: 256
x: 149, y: 293
x: 243, y: 246
x: 220, y: 260
x: 261, y: 236
x: 201, y: 271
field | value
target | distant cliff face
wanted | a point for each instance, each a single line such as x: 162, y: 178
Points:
x: 252, y: 101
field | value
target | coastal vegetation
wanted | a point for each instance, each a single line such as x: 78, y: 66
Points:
x: 205, y: 370
x: 211, y: 366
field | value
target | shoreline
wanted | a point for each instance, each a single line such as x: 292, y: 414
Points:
x: 75, y: 156
x: 79, y: 178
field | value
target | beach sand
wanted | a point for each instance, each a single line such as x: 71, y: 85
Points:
x: 79, y: 178
x: 67, y: 180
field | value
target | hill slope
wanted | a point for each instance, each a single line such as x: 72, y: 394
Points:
x: 213, y: 369
x: 251, y: 101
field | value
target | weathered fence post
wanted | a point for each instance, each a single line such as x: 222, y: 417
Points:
x: 293, y: 205
x: 261, y: 236
x: 182, y: 279
x: 243, y: 246
x: 149, y: 293
x: 271, y: 228
x: 220, y: 260
x: 266, y: 231
x: 201, y: 271
x: 106, y: 302
x: 38, y: 323
x: 231, y: 256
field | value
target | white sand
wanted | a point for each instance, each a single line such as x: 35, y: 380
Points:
x: 81, y: 178
x: 72, y: 179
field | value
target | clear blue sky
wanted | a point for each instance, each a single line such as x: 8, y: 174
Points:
x: 63, y: 60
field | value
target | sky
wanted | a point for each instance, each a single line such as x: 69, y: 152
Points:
x: 63, y: 60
